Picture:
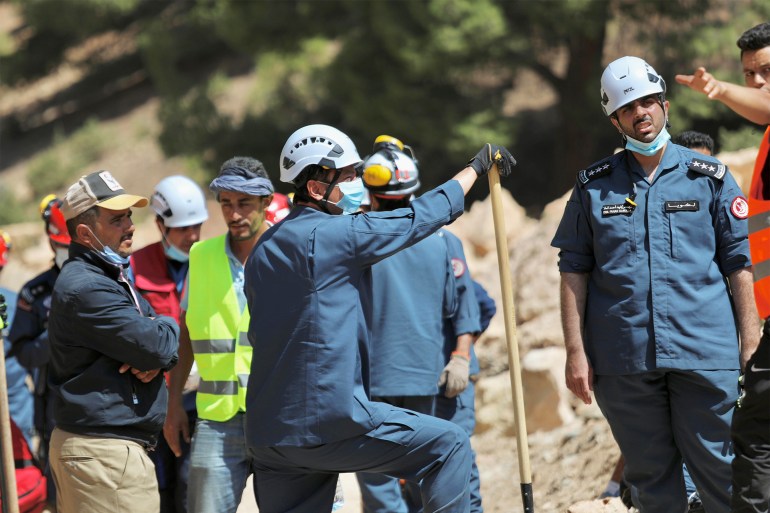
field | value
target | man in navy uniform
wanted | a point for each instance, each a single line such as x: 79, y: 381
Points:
x: 308, y: 285
x: 656, y: 287
x: 416, y: 293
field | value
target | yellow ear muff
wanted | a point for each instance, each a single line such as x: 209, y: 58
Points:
x: 384, y: 139
x: 377, y: 175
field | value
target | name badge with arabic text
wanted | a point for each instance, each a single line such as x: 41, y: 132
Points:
x: 682, y: 206
x: 619, y: 209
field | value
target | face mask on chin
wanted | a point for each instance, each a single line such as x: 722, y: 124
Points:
x: 174, y: 253
x: 109, y: 254
x: 650, y: 148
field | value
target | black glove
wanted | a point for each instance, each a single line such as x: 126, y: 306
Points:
x: 493, y: 154
x: 3, y: 314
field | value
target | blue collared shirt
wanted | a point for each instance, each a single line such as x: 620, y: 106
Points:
x: 658, y: 295
x: 413, y: 292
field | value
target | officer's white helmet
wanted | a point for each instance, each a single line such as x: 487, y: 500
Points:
x: 389, y: 171
x: 627, y: 79
x: 179, y: 202
x: 322, y: 145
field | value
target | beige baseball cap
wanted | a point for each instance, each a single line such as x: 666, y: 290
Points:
x: 100, y: 189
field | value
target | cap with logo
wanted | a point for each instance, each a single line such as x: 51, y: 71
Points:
x: 98, y: 189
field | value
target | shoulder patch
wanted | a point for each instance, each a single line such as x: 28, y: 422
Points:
x: 603, y: 168
x: 708, y: 168
x: 739, y: 207
x: 458, y: 267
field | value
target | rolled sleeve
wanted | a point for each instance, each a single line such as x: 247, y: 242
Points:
x: 574, y: 238
x: 732, y: 231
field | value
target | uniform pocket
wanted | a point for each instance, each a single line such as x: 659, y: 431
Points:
x: 399, y: 427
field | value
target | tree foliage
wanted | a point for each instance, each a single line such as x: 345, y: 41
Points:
x: 439, y: 74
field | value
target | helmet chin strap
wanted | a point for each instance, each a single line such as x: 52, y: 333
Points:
x: 324, y: 202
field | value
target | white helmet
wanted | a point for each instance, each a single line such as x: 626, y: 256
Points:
x: 316, y: 144
x: 627, y: 79
x: 179, y: 202
x: 389, y: 171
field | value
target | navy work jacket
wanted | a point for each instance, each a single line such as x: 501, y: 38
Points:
x: 308, y: 286
x: 97, y: 323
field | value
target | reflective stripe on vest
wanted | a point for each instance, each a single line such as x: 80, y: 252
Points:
x: 759, y: 229
x: 218, y: 332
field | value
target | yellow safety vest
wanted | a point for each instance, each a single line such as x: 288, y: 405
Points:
x: 218, y: 332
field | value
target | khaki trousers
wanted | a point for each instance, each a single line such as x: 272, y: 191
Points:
x: 102, y: 475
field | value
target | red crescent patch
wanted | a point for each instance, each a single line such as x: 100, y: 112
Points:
x: 740, y: 208
x: 458, y: 267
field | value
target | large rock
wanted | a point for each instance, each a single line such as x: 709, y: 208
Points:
x: 546, y: 404
x: 545, y: 393
x: 494, y: 404
x: 477, y: 228
x: 543, y: 330
x: 535, y: 275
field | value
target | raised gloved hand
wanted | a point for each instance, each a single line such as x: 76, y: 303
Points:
x: 493, y: 154
x: 455, y: 375
x: 3, y: 313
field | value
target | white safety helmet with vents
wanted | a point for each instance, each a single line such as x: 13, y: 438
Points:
x: 322, y: 145
x: 389, y: 171
x: 627, y: 79
x: 179, y: 202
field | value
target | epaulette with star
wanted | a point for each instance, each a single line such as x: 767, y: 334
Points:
x: 601, y: 168
x: 708, y: 168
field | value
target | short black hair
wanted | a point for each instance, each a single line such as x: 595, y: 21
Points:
x: 87, y: 217
x: 693, y: 139
x: 755, y: 38
x: 311, y: 172
x: 246, y: 167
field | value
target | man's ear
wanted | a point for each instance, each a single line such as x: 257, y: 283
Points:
x: 616, y: 124
x: 84, y: 234
x: 316, y: 189
x: 266, y: 201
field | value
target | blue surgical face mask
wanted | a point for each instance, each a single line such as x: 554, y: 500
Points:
x: 353, y: 195
x: 650, y: 148
x: 174, y: 253
x: 109, y: 254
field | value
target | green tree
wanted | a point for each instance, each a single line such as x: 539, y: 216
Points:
x: 440, y: 74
